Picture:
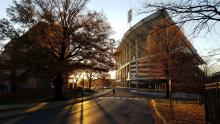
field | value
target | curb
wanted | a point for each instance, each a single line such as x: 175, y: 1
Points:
x: 40, y: 106
x: 158, y: 113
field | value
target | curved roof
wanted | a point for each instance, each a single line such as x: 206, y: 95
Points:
x: 142, y: 26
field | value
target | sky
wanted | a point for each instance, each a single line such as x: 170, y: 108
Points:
x: 116, y: 13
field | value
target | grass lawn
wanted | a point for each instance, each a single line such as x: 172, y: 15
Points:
x: 184, y: 112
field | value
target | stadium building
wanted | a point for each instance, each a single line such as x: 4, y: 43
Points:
x: 134, y: 65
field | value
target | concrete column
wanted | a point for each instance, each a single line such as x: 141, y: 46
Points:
x: 136, y: 51
x: 125, y: 70
x: 129, y: 59
x: 125, y: 76
x: 121, y: 78
x: 126, y: 59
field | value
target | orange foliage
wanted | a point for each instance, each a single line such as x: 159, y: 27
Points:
x: 183, y: 112
x: 172, y: 50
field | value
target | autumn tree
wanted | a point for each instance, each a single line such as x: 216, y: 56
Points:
x: 76, y: 38
x: 202, y: 14
x: 173, y: 53
x: 186, y: 75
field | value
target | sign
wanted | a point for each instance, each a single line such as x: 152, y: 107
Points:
x: 129, y: 15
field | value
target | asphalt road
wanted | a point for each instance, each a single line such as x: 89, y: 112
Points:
x: 124, y: 108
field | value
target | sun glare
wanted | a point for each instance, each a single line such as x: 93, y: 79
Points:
x: 113, y: 74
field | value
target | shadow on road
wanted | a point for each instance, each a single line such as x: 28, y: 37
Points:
x: 107, y: 115
x: 50, y: 116
x: 81, y: 114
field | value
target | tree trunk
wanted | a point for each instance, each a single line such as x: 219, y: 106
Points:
x: 90, y: 83
x: 58, y: 87
x: 59, y: 80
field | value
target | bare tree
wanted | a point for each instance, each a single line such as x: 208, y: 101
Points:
x: 203, y: 14
x: 1, y: 47
x: 91, y: 74
x: 211, y: 64
x: 7, y: 30
x: 76, y: 75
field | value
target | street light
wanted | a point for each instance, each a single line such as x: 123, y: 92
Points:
x: 83, y: 74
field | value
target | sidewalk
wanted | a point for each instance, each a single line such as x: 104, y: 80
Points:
x: 148, y: 94
x: 20, y: 109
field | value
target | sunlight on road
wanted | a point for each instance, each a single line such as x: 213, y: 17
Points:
x: 36, y: 107
x: 103, y: 110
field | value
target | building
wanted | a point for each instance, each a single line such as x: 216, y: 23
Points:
x: 24, y: 63
x: 135, y: 67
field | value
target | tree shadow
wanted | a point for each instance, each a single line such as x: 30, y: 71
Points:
x: 137, y: 104
x: 150, y: 95
x: 106, y: 114
x: 81, y: 114
x: 57, y: 115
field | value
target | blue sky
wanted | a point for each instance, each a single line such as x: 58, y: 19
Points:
x: 116, y: 13
x: 4, y: 4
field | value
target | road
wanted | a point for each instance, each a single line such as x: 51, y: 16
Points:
x: 124, y: 108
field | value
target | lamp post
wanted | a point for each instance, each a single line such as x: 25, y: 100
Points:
x: 83, y: 85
